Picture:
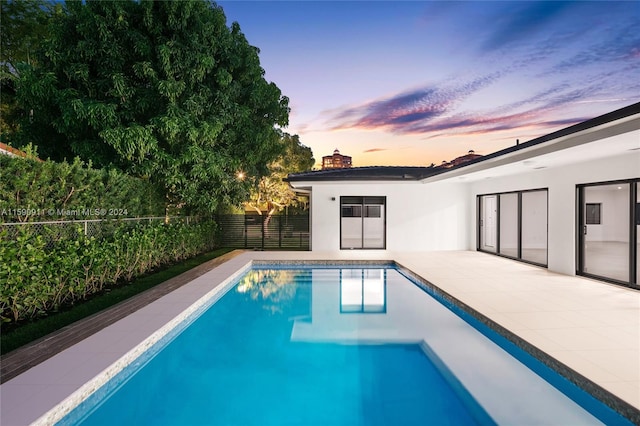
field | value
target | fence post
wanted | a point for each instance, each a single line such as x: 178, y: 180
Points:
x: 263, y: 222
x: 85, y: 228
x: 245, y: 230
x: 279, y: 231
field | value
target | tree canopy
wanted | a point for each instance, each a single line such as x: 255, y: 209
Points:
x: 271, y: 193
x: 164, y: 90
x: 24, y: 24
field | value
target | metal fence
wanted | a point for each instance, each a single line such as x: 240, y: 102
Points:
x: 250, y: 231
x: 53, y: 231
x: 253, y: 231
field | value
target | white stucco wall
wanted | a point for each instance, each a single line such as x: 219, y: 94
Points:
x: 440, y: 212
x: 561, y: 182
x: 442, y: 215
x: 419, y: 217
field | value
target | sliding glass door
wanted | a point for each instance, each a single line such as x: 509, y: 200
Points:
x: 534, y: 227
x: 488, y: 223
x: 509, y: 225
x: 514, y: 225
x: 608, y: 231
x: 362, y: 223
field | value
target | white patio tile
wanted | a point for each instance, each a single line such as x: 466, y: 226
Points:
x: 629, y: 391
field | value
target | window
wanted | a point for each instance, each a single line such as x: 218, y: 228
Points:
x: 351, y: 211
x: 362, y: 223
x: 592, y: 213
x: 372, y: 211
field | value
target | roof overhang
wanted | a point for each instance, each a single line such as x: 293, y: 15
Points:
x: 306, y: 190
x: 608, y: 139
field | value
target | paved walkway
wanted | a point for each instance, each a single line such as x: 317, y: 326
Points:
x: 590, y: 327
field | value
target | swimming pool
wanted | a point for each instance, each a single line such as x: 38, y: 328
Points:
x: 331, y: 345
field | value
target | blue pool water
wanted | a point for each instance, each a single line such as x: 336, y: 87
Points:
x: 330, y: 346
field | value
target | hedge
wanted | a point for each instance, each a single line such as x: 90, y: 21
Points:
x: 33, y: 190
x: 39, y: 276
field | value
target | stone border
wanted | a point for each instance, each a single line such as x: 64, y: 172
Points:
x: 32, y: 354
x: 146, y: 349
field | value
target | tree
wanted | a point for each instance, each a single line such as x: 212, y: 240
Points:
x: 24, y: 25
x: 271, y: 193
x: 163, y: 90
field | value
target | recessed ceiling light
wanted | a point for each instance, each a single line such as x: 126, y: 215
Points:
x: 619, y: 187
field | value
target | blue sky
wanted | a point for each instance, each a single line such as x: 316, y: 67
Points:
x: 411, y: 83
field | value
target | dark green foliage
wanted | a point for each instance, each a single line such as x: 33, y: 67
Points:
x: 39, y: 276
x: 163, y: 90
x: 36, y: 188
x: 18, y: 335
x: 24, y: 26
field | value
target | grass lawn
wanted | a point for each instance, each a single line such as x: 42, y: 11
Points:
x: 27, y: 332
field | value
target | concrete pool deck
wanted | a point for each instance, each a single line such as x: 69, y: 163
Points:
x: 589, y: 326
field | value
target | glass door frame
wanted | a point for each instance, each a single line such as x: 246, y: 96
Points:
x: 633, y: 233
x: 479, y: 218
x: 363, y: 202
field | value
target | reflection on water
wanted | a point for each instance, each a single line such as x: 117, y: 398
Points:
x: 363, y: 290
x: 276, y: 289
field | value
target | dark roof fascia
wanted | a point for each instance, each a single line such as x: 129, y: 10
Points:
x: 618, y: 114
x: 371, y: 173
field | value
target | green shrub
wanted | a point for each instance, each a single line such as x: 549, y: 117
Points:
x: 37, y: 277
x: 32, y: 190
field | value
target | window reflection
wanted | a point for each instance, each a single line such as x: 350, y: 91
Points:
x: 363, y: 291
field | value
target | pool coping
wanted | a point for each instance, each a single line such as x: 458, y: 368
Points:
x: 614, y: 402
x: 59, y: 411
x: 25, y: 357
x: 610, y: 399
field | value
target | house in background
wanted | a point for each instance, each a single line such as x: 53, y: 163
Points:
x: 470, y: 156
x: 567, y: 201
x: 336, y: 161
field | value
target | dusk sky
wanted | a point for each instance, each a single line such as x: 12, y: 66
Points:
x: 411, y: 83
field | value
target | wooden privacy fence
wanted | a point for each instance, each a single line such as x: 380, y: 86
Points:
x: 262, y: 232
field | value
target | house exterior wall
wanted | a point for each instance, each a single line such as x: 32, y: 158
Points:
x: 419, y: 217
x: 442, y: 215
x: 561, y: 182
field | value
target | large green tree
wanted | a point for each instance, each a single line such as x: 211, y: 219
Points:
x: 271, y: 193
x: 159, y: 89
x: 24, y: 25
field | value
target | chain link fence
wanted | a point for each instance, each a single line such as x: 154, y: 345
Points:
x: 53, y: 231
